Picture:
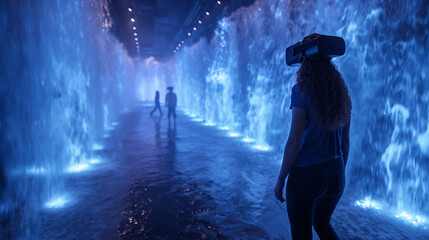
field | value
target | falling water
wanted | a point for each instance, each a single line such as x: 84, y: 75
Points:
x: 64, y: 79
x: 239, y: 79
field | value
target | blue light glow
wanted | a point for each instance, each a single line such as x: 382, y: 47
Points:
x: 211, y: 124
x: 78, y: 168
x: 36, y: 170
x: 97, y: 147
x: 262, y: 147
x: 57, y: 202
x: 95, y: 161
x: 248, y: 140
x: 368, y: 203
x: 233, y: 134
x: 414, y: 219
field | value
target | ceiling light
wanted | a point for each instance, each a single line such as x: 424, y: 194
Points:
x: 207, y: 13
x: 135, y: 34
x: 183, y: 42
x: 195, y: 29
x: 199, y: 21
x: 134, y: 28
x: 189, y: 34
x: 180, y: 45
x: 137, y: 43
x: 132, y: 20
x: 218, y: 2
x: 136, y: 39
x: 129, y: 9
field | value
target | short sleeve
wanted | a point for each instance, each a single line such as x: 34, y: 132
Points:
x: 297, y: 100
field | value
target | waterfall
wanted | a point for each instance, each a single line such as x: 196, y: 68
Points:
x: 64, y: 80
x: 239, y: 79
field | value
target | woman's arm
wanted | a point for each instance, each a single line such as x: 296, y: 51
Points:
x: 291, y: 149
x: 345, y: 143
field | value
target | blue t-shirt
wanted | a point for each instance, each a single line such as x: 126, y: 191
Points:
x: 319, y: 145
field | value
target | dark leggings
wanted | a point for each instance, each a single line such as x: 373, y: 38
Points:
x: 312, y: 193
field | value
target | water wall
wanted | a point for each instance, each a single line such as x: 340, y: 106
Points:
x: 239, y: 79
x: 64, y: 80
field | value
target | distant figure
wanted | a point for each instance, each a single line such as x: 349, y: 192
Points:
x: 157, y: 105
x: 317, y: 148
x: 171, y: 103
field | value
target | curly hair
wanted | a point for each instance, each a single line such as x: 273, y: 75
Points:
x: 327, y: 90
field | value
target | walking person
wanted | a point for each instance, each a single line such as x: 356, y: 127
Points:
x: 317, y: 148
x: 157, y: 105
x: 171, y: 103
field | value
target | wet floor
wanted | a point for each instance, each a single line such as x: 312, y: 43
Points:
x: 189, y: 182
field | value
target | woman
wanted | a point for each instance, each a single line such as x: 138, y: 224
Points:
x: 157, y: 105
x: 317, y: 149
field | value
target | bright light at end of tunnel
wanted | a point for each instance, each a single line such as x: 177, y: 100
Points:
x: 129, y: 9
x: 78, y: 168
x: 57, y: 202
x: 133, y: 20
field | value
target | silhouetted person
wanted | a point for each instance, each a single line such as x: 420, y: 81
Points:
x: 317, y: 148
x: 157, y: 105
x: 171, y: 103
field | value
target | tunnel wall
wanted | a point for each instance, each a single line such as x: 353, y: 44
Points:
x: 239, y: 79
x: 64, y: 80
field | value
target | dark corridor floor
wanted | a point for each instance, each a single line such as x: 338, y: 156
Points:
x: 192, y: 182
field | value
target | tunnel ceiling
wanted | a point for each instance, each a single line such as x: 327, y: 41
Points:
x: 161, y: 25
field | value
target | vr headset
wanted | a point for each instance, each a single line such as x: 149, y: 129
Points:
x: 322, y: 47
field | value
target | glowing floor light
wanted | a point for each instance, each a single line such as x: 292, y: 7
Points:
x: 415, y: 220
x: 262, y: 147
x: 57, y: 202
x: 233, y: 134
x: 198, y: 119
x: 78, y: 168
x: 95, y: 161
x: 248, y: 140
x: 368, y: 203
x: 97, y: 147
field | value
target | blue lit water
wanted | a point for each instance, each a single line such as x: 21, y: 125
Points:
x: 239, y: 79
x: 65, y: 80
